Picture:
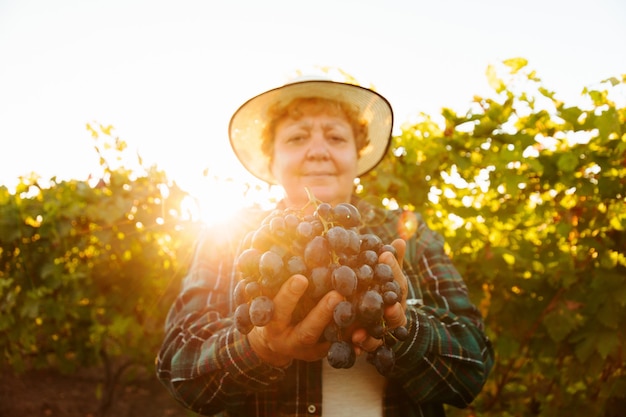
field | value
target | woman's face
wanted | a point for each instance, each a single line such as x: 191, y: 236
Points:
x: 316, y: 151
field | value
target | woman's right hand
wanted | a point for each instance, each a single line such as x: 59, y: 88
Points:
x: 281, y: 341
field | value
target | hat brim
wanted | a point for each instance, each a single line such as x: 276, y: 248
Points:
x: 247, y: 123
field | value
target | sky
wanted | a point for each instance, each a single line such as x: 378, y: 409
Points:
x: 167, y: 75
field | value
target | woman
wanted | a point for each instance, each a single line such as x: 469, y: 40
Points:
x: 314, y: 137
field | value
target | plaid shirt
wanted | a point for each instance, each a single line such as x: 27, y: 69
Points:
x: 210, y: 367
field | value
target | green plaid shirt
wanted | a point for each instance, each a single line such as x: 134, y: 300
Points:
x: 210, y: 367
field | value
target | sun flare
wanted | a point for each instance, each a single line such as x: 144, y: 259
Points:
x: 214, y: 201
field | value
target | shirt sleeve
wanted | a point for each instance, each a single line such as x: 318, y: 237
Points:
x: 204, y: 361
x: 447, y: 357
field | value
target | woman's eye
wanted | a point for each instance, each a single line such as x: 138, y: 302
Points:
x: 296, y: 138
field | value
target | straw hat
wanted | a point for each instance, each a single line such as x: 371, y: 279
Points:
x: 247, y: 123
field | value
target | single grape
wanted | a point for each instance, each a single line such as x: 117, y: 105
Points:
x: 341, y: 355
x: 295, y: 265
x: 346, y: 215
x: 316, y: 252
x: 390, y: 298
x: 401, y: 333
x: 253, y: 290
x: 323, y: 211
x: 383, y: 359
x: 364, y: 275
x: 338, y: 238
x: 368, y: 257
x: 370, y: 241
x: 239, y: 293
x: 248, y: 262
x: 261, y: 310
x: 389, y: 248
x: 271, y: 266
x: 319, y: 282
x: 242, y: 318
x: 331, y: 332
x: 344, y: 280
x: 354, y: 243
x: 278, y: 227
x: 344, y: 314
x: 262, y: 239
x: 383, y: 273
x: 304, y: 231
x: 291, y: 223
x: 370, y: 307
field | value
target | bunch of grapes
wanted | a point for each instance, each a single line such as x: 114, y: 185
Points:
x: 328, y: 249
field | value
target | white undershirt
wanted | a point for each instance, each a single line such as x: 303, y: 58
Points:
x: 356, y: 391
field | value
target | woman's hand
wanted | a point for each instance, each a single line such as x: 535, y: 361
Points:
x: 394, y: 315
x: 281, y: 341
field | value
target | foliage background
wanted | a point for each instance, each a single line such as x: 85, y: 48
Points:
x: 528, y: 191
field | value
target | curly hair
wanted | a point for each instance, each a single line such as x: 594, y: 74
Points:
x: 314, y: 105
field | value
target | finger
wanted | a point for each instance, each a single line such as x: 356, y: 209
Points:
x: 287, y: 298
x: 400, y: 246
x: 363, y: 342
x: 395, y: 316
x: 312, y: 326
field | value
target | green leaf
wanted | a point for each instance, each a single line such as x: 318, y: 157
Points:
x: 560, y: 323
x: 567, y: 162
x: 515, y: 64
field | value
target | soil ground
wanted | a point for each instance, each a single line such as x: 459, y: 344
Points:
x: 48, y: 393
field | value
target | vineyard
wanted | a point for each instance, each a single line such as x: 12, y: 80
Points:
x: 528, y: 191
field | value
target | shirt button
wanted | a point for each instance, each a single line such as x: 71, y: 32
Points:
x: 311, y: 408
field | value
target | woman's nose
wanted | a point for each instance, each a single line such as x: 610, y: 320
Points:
x: 318, y: 146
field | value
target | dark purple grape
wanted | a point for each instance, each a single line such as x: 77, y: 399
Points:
x: 391, y: 286
x: 383, y: 359
x: 316, y: 252
x: 320, y: 282
x: 344, y: 280
x: 331, y: 332
x: 376, y: 330
x: 368, y: 257
x: 242, y: 318
x: 390, y: 298
x: 263, y: 238
x: 304, y: 231
x: 248, y: 262
x: 365, y: 275
x: 278, y: 227
x: 341, y: 355
x: 261, y: 310
x: 344, y: 314
x: 383, y: 273
x: 291, y: 223
x: 370, y: 241
x: 271, y: 265
x: 346, y: 215
x: 253, y: 289
x: 338, y: 238
x: 350, y: 260
x: 389, y: 248
x: 354, y: 242
x: 318, y: 227
x: 370, y: 307
x: 295, y: 265
x: 323, y: 211
x: 401, y: 333
x: 239, y: 293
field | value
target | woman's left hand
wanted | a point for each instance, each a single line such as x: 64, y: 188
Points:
x: 395, y: 314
